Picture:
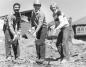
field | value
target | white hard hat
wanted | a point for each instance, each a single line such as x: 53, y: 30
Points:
x: 37, y: 2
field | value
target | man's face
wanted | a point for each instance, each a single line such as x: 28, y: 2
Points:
x: 16, y: 8
x: 70, y: 21
x: 54, y: 9
x: 36, y: 8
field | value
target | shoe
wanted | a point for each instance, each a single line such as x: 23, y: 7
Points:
x: 31, y: 61
x: 19, y: 60
x: 9, y: 58
x: 71, y: 59
x: 39, y: 61
x: 46, y: 62
x: 54, y: 63
x: 64, y: 61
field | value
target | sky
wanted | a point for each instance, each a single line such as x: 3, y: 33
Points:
x: 71, y: 8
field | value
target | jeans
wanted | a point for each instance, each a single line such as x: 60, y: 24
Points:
x: 7, y: 43
x: 62, y: 43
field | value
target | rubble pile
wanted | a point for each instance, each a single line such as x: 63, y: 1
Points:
x: 27, y: 48
x: 28, y: 53
x: 78, y: 50
x: 51, y: 50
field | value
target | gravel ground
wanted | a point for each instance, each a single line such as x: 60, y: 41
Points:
x: 28, y: 54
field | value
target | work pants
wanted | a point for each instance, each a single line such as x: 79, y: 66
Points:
x: 40, y: 42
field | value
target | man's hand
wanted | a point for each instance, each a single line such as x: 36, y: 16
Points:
x: 15, y: 37
x: 19, y: 32
x: 54, y: 31
x: 34, y: 34
x: 52, y: 27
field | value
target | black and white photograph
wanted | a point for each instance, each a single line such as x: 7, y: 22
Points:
x: 42, y: 33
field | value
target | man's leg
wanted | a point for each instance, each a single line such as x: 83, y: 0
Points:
x: 42, y: 51
x: 15, y: 46
x: 37, y: 43
x: 7, y: 44
x: 42, y: 40
x: 40, y: 44
x: 8, y: 48
x: 65, y: 43
x: 59, y: 44
x: 18, y: 49
x: 37, y: 49
x: 40, y: 47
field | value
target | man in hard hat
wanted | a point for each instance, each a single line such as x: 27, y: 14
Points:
x: 62, y: 40
x: 39, y: 24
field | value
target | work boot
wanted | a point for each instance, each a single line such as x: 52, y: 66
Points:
x: 9, y: 58
x: 40, y: 61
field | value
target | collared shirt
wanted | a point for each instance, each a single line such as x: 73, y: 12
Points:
x: 37, y: 18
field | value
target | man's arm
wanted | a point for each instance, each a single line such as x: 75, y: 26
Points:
x: 41, y: 19
x: 10, y: 21
x: 63, y: 22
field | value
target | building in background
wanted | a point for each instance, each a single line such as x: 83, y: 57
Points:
x: 79, y: 28
x: 26, y: 13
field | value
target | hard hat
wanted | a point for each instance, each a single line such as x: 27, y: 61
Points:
x: 37, y: 2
